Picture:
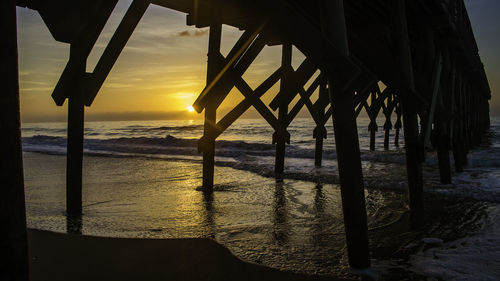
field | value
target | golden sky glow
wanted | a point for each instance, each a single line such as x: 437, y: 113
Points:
x: 163, y: 67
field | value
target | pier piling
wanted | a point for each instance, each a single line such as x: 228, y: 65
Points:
x: 74, y: 157
x: 279, y: 138
x: 347, y: 144
x: 413, y: 144
x: 213, y: 68
x: 13, y: 236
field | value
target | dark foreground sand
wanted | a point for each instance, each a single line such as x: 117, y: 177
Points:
x: 58, y: 256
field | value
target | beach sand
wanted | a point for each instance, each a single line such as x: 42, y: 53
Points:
x: 57, y: 256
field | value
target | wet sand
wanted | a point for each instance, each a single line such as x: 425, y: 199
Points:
x: 294, y: 226
x: 56, y: 256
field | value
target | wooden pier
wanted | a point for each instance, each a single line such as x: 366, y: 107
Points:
x: 416, y: 60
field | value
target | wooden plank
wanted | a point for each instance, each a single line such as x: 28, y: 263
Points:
x: 114, y: 48
x: 83, y: 45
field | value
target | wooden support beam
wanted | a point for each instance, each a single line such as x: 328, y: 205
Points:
x: 13, y: 237
x: 285, y: 83
x: 74, y: 154
x: 441, y: 130
x: 81, y: 49
x: 218, y: 92
x: 377, y: 103
x: 240, y: 48
x: 208, y: 149
x: 263, y: 110
x: 323, y: 97
x: 208, y: 146
x: 372, y: 113
x: 300, y: 77
x: 304, y: 97
x: 319, y: 131
x: 413, y: 144
x: 346, y: 141
x: 251, y: 99
x: 435, y: 92
x: 232, y: 77
x: 387, y: 110
x: 386, y: 138
x: 244, y: 105
x: 114, y: 48
x: 311, y: 40
x: 457, y: 125
x: 463, y: 121
x: 398, y: 124
x: 318, y: 150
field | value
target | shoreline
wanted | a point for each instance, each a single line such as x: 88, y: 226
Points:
x: 393, y: 243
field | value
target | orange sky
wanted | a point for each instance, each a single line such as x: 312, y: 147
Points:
x: 162, y: 69
x: 158, y: 75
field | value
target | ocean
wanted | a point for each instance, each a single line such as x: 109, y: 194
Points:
x: 142, y: 179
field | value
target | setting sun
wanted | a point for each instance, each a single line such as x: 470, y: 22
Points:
x: 190, y: 108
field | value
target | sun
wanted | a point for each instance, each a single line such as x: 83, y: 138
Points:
x: 190, y: 108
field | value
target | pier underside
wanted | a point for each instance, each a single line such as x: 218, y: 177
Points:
x: 416, y: 60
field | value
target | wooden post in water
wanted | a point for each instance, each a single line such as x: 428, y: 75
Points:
x: 213, y: 69
x: 441, y: 124
x: 373, y: 127
x: 74, y: 154
x: 413, y: 144
x: 457, y: 123
x: 398, y: 124
x: 463, y: 121
x: 286, y: 62
x: 388, y: 123
x: 347, y: 143
x: 319, y: 132
x: 13, y: 250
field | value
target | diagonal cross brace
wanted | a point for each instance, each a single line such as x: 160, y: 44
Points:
x: 82, y: 47
x: 239, y: 50
x: 244, y: 105
x: 263, y: 110
x: 250, y: 99
x: 114, y: 48
x: 300, y: 77
x: 304, y: 97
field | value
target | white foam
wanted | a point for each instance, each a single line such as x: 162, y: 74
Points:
x: 475, y: 257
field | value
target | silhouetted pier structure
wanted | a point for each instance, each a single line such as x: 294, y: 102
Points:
x: 416, y: 59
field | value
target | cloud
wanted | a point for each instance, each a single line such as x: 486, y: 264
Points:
x: 196, y: 33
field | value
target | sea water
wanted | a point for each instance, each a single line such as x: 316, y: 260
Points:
x: 142, y: 179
